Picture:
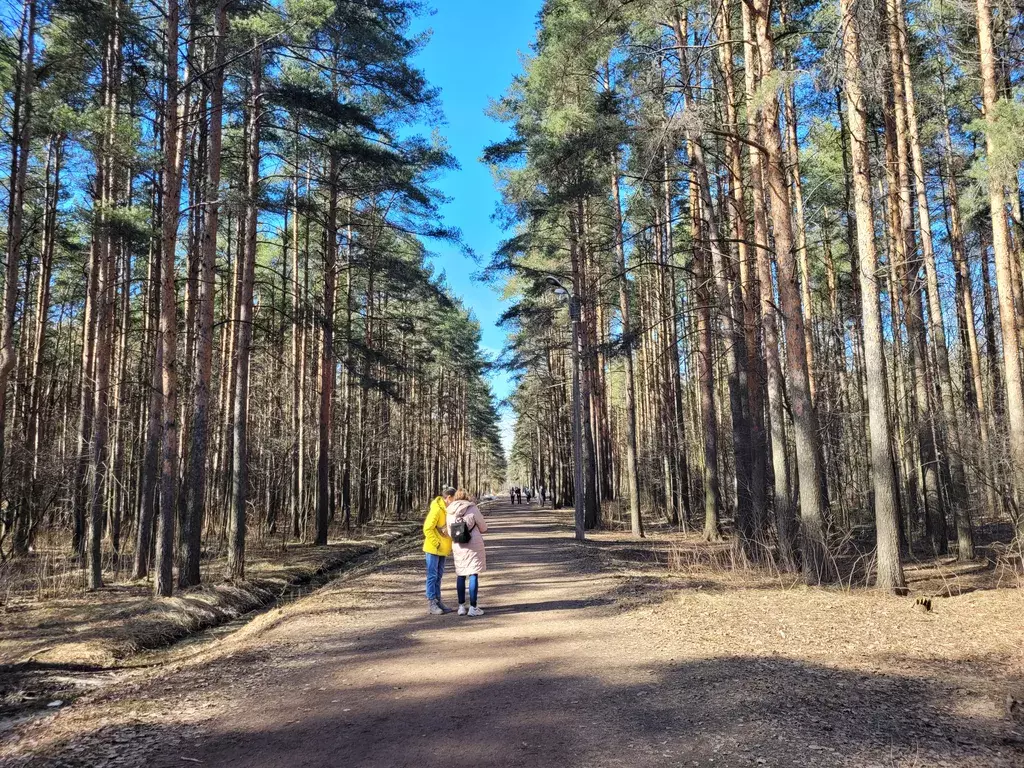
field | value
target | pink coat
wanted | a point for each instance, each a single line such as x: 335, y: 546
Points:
x: 469, y: 558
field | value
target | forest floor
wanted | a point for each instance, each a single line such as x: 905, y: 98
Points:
x: 585, y: 657
x: 50, y: 625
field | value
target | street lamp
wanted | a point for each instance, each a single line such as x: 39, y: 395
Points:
x: 577, y: 410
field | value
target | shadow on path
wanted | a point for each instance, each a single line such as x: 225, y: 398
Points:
x: 555, y: 674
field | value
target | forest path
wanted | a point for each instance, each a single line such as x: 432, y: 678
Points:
x: 565, y: 669
x: 361, y: 675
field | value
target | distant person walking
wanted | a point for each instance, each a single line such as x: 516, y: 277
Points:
x: 529, y: 495
x: 470, y: 557
x: 437, y: 545
x: 519, y: 495
x: 543, y: 494
x: 511, y: 495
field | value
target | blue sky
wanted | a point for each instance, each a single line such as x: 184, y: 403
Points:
x: 472, y: 56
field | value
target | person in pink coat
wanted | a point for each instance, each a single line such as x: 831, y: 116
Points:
x: 471, y: 557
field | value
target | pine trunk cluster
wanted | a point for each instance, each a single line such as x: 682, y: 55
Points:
x: 813, y: 342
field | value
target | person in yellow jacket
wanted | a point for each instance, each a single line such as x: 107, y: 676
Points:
x: 437, y: 545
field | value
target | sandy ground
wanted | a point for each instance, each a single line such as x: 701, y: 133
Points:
x: 574, y: 664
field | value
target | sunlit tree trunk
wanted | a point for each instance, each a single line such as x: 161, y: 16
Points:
x: 949, y: 434
x: 974, y: 393
x: 706, y: 380
x: 247, y: 266
x: 148, y: 494
x: 746, y: 285
x: 631, y: 476
x: 890, y: 567
x: 800, y: 224
x: 195, y: 476
x: 729, y: 301
x: 784, y: 501
x: 21, y: 140
x: 171, y: 202
x: 327, y: 364
x: 1004, y: 273
x: 813, y: 507
x: 31, y: 502
x: 105, y: 265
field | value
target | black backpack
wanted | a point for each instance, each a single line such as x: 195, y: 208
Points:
x: 461, y: 533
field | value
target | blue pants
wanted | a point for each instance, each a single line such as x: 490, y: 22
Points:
x: 460, y: 587
x: 435, y: 570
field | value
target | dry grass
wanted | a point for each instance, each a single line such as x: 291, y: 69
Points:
x: 844, y: 648
x: 47, y: 572
x: 684, y: 552
x: 58, y: 622
x: 974, y: 623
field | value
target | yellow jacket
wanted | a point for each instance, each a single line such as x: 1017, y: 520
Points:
x: 435, y: 529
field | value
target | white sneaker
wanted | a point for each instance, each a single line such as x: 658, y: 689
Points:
x: 462, y: 609
x: 474, y: 611
x: 434, y: 609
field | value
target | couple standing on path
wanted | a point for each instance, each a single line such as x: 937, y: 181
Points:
x: 454, y: 527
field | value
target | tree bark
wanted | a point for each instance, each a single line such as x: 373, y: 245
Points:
x: 890, y: 567
x: 817, y: 564
x: 327, y: 363
x: 195, y: 477
x: 164, y: 582
x: 1014, y: 390
x: 949, y: 433
x: 632, y: 477
x: 148, y: 497
x: 784, y: 501
x: 21, y: 144
x: 247, y: 267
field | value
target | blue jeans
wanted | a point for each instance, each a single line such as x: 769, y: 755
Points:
x: 460, y: 587
x: 435, y: 570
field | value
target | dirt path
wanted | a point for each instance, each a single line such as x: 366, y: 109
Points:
x: 563, y: 670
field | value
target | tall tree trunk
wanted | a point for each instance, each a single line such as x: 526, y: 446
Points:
x: 746, y: 290
x: 705, y: 372
x: 148, y: 494
x: 195, y: 477
x: 105, y: 265
x: 813, y: 506
x: 729, y: 301
x: 20, y: 146
x: 296, y: 347
x: 327, y: 364
x: 890, y: 567
x: 975, y: 389
x: 800, y: 223
x: 247, y: 266
x: 101, y: 410
x: 784, y: 501
x: 1014, y: 390
x: 55, y: 159
x: 632, y: 476
x: 949, y: 434
x: 906, y: 257
x: 164, y: 582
